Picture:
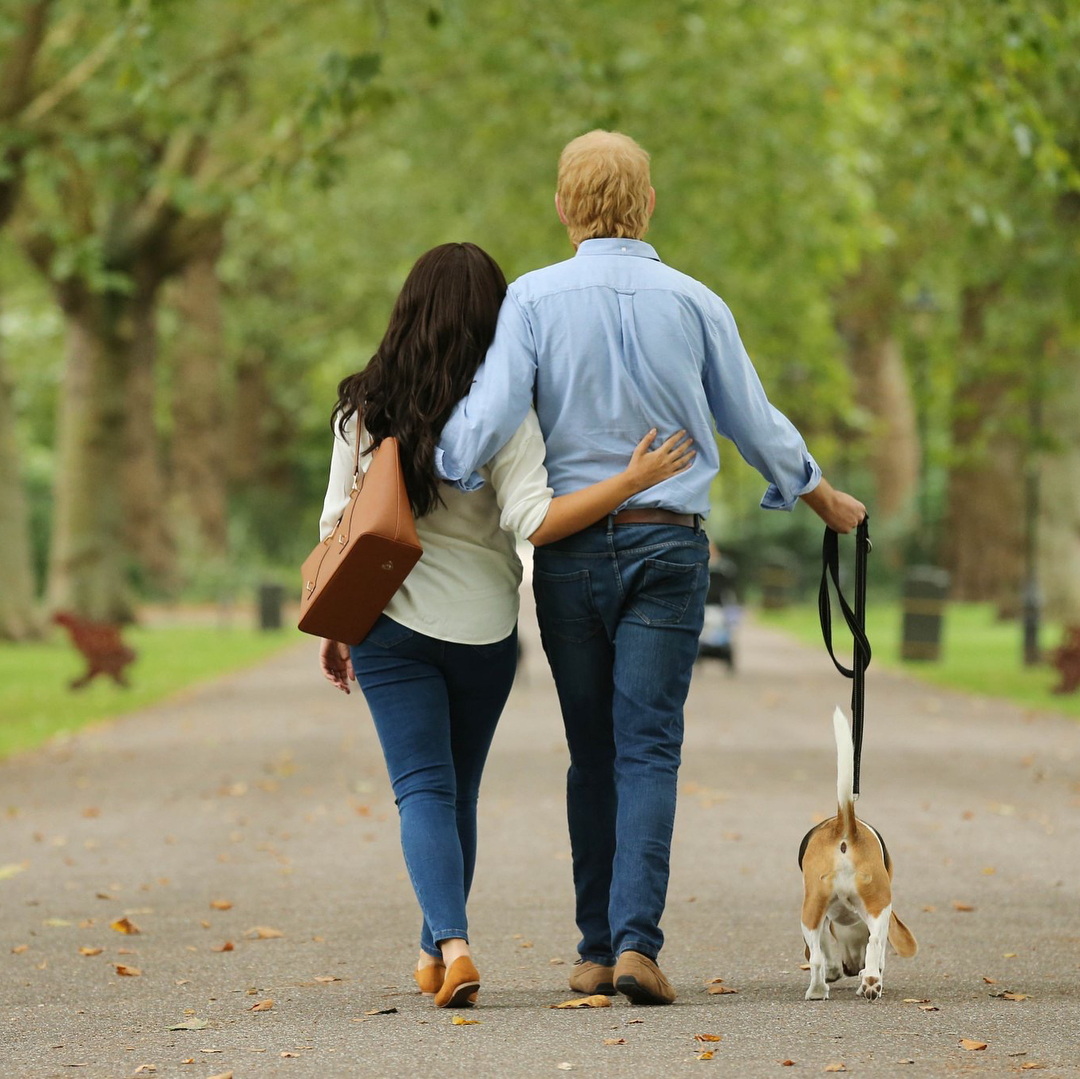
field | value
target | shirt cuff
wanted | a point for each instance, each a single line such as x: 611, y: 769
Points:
x: 776, y: 499
x: 445, y: 470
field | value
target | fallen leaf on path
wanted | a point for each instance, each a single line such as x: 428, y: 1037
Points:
x: 12, y: 869
x: 989, y: 870
x: 221, y: 1075
x: 145, y: 1068
x: 263, y: 932
x: 708, y: 1037
x: 228, y: 946
x: 614, y: 1041
x: 989, y: 981
x: 127, y: 972
x: 557, y: 962
x: 381, y: 1011
x: 262, y: 1006
x: 1013, y: 996
x: 1008, y: 955
x: 43, y: 964
x: 929, y: 909
x: 971, y: 1045
x: 286, y: 1053
x: 786, y: 1063
x: 707, y: 1055
x: 190, y: 1024
x: 460, y: 1021
x: 906, y: 1060
x: 220, y: 904
x: 630, y: 1022
x: 916, y: 1000
x: 837, y: 1067
x: 20, y: 948
x: 190, y: 1060
x: 1032, y: 1065
x: 719, y: 990
x: 965, y: 907
x: 804, y: 966
x: 565, y: 1066
x: 91, y: 951
x: 717, y: 981
x: 327, y: 978
x: 213, y: 1051
x: 124, y: 925
x: 59, y: 923
x: 597, y: 1001
x: 929, y: 1008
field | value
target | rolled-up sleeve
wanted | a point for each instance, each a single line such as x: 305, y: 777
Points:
x: 500, y: 396
x: 520, y: 479
x: 764, y: 436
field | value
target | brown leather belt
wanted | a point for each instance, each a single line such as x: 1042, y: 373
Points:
x: 650, y: 517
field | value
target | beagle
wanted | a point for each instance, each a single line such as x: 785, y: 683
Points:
x: 847, y: 910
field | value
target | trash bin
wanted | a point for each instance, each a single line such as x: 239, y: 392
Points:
x: 271, y: 599
x: 925, y: 590
x: 779, y: 578
x: 722, y: 613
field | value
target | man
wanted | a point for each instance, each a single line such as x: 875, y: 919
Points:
x: 609, y: 344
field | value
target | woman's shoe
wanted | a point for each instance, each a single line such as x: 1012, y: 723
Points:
x: 430, y: 978
x: 460, y: 986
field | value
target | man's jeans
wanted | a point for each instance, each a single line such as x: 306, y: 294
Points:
x: 620, y: 611
x: 435, y: 705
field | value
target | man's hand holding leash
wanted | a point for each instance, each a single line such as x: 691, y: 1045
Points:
x: 840, y: 511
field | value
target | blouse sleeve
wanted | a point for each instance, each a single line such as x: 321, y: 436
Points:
x: 339, y: 488
x: 520, y: 479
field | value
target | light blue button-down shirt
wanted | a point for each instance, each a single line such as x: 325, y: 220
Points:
x: 609, y: 344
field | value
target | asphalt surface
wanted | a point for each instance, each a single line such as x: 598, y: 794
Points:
x: 266, y: 790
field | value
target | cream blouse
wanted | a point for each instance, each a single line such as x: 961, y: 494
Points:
x: 465, y: 587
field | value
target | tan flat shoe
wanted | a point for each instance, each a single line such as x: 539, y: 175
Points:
x: 591, y: 978
x: 460, y: 986
x: 640, y: 979
x: 430, y: 978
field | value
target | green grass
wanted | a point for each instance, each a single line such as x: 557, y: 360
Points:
x: 979, y: 653
x: 35, y: 702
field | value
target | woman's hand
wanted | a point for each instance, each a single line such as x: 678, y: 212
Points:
x: 336, y: 664
x: 650, y: 467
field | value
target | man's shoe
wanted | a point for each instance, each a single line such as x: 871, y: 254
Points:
x: 640, y: 979
x: 591, y: 978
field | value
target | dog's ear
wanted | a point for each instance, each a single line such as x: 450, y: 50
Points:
x: 901, y: 938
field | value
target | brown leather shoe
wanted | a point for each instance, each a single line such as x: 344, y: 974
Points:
x: 460, y: 986
x: 592, y: 978
x: 430, y: 978
x: 640, y: 979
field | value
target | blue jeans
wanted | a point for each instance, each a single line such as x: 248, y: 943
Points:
x: 620, y: 611
x: 435, y: 705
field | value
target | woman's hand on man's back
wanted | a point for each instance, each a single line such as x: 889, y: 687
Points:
x: 649, y: 467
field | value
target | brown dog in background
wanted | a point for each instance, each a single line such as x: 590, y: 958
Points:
x: 847, y: 910
x: 101, y: 646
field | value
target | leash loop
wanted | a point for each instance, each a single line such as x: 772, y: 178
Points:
x: 856, y: 622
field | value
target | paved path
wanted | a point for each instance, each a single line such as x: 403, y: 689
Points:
x: 266, y: 790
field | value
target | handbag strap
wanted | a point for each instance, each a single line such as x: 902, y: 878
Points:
x: 358, y: 476
x: 856, y: 622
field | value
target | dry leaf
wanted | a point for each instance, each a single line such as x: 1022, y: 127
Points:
x: 989, y: 981
x: 804, y: 966
x: 189, y: 1060
x: 91, y: 951
x: 557, y: 962
x: 1008, y: 955
x: 327, y: 978
x: 220, y: 904
x: 787, y: 1063
x: 719, y: 990
x: 614, y: 1041
x: 124, y: 925
x: 191, y: 1024
x: 929, y: 1008
x: 461, y: 1021
x: 717, y: 981
x: 837, y: 1067
x: 263, y: 932
x: 228, y: 946
x: 382, y: 1011
x: 971, y: 1046
x: 286, y: 1053
x: 916, y: 1000
x: 1014, y: 996
x: 127, y: 972
x: 58, y: 923
x: 565, y: 1066
x: 707, y: 1055
x: 598, y: 1001
x: 966, y: 907
x: 708, y: 1037
x: 20, y: 948
x: 526, y: 944
x: 630, y: 1022
x: 145, y: 1068
x: 262, y: 1006
x: 222, y: 1075
x: 11, y: 869
x: 1031, y: 1065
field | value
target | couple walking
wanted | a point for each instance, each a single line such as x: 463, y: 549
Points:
x: 541, y: 404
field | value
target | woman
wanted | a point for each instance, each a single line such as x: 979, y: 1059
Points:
x: 437, y: 667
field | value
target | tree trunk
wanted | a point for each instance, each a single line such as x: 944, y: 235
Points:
x: 1059, y: 518
x: 984, y: 539
x: 17, y: 616
x: 88, y: 560
x: 249, y: 423
x: 147, y: 536
x: 199, y: 479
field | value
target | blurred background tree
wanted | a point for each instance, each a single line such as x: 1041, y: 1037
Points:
x: 210, y: 207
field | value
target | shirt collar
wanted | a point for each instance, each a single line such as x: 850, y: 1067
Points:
x: 617, y: 246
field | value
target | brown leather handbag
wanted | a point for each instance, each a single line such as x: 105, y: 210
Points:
x: 351, y: 576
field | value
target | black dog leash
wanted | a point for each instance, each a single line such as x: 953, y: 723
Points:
x: 856, y: 621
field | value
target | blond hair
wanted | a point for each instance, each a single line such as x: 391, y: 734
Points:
x: 603, y: 186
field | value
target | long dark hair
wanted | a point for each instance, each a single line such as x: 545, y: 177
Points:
x: 440, y: 328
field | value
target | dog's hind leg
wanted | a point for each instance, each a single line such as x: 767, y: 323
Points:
x: 813, y: 925
x: 870, y: 984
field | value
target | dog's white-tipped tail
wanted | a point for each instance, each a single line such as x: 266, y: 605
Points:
x: 845, y: 768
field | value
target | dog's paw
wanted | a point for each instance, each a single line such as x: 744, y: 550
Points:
x: 869, y: 987
x: 817, y: 992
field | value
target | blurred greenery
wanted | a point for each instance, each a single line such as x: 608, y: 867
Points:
x: 887, y: 196
x: 980, y: 654
x: 36, y: 703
